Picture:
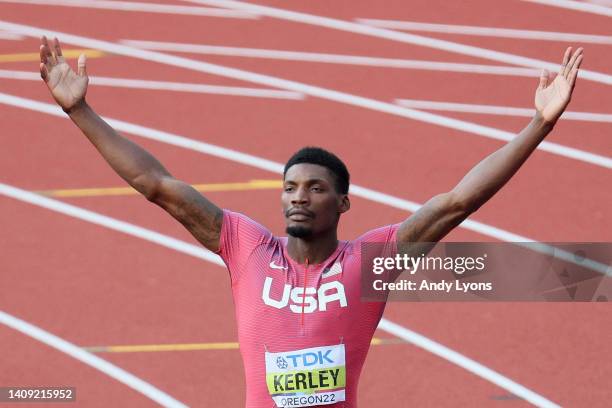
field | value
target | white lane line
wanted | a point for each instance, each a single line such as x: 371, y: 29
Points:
x: 139, y: 7
x: 324, y: 93
x: 467, y: 363
x: 252, y: 161
x: 158, y: 135
x: 168, y: 86
x: 357, y: 28
x: 498, y: 110
x: 332, y: 58
x: 7, y: 35
x: 275, y: 167
x: 109, y: 222
x: 607, y: 3
x: 576, y: 5
x: 488, y: 31
x: 86, y: 357
x: 201, y: 253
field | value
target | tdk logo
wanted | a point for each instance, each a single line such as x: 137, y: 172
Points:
x: 327, y: 293
x: 310, y: 359
x: 281, y: 363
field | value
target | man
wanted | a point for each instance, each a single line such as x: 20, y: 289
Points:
x: 304, y: 332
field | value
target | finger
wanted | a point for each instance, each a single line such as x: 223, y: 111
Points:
x: 44, y: 74
x: 82, y: 65
x: 578, y: 62
x: 47, y: 55
x: 45, y: 52
x: 53, y: 57
x: 543, y: 79
x: 58, y: 50
x: 572, y: 61
x: 566, y: 58
x: 43, y: 55
x: 574, y: 72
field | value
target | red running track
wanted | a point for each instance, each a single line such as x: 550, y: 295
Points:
x: 93, y: 286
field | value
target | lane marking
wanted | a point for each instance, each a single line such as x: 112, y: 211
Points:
x: 465, y: 362
x: 576, y: 5
x: 607, y: 3
x: 167, y: 86
x: 487, y: 31
x: 7, y: 35
x: 121, y: 191
x: 35, y: 56
x: 147, y: 348
x: 139, y: 7
x: 323, y: 93
x: 109, y: 222
x: 408, y: 38
x: 332, y: 58
x: 250, y: 160
x: 275, y: 167
x: 201, y: 253
x: 89, y: 359
x: 498, y: 110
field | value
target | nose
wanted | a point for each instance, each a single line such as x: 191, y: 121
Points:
x: 300, y: 197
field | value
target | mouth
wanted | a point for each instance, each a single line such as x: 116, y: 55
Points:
x: 299, y: 215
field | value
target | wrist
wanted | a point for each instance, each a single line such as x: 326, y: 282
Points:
x: 542, y: 122
x: 79, y: 106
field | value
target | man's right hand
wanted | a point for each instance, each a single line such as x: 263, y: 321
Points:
x: 67, y: 87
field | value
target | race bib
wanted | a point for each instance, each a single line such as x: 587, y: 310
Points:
x: 307, y: 377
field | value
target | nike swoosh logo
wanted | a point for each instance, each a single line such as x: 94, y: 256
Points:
x: 273, y: 265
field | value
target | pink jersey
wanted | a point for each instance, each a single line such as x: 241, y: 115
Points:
x: 282, y: 306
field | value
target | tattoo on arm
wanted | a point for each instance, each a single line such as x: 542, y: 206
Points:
x: 202, y: 218
x: 433, y: 221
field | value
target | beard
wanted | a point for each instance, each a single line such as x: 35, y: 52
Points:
x: 299, y: 231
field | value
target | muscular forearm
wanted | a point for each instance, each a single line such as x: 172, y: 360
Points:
x: 488, y: 176
x: 134, y: 164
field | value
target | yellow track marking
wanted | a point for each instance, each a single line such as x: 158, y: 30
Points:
x: 119, y: 191
x: 193, y: 346
x: 169, y: 347
x: 34, y: 56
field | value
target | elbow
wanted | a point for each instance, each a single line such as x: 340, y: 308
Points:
x: 148, y: 185
x: 462, y: 206
x: 152, y: 195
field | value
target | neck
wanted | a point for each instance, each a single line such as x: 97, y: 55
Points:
x: 314, y: 249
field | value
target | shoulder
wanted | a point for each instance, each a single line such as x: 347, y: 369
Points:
x: 376, y: 242
x: 239, y: 220
x: 385, y: 233
x: 240, y: 232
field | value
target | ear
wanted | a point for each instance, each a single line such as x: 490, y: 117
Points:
x: 345, y: 204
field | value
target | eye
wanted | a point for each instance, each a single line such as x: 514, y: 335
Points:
x: 288, y: 189
x: 316, y: 189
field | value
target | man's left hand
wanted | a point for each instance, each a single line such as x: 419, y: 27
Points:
x: 552, y: 98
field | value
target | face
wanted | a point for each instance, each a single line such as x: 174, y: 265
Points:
x: 311, y: 204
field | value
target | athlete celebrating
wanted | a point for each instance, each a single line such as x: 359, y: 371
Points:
x: 303, y: 330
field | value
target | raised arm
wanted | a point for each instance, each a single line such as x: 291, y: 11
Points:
x: 134, y: 164
x: 445, y: 211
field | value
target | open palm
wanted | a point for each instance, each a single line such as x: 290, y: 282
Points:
x: 67, y: 87
x: 552, y: 98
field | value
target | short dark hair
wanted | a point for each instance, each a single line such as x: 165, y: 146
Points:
x: 317, y: 155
